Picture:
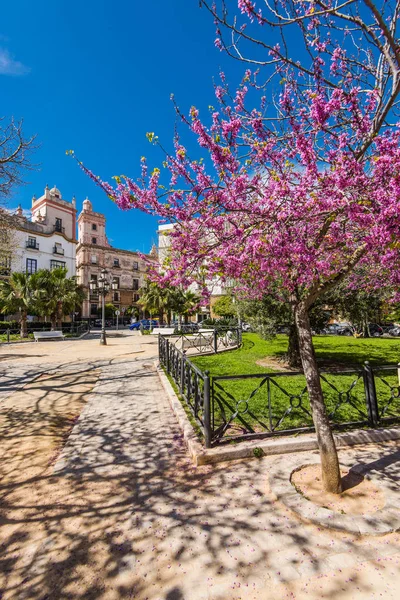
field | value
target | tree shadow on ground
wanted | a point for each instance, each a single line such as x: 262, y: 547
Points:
x: 127, y: 515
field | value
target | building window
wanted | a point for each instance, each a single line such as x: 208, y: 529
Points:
x: 135, y: 285
x: 116, y: 296
x: 94, y: 240
x: 93, y: 259
x: 93, y: 309
x: 58, y: 249
x: 54, y: 264
x: 116, y: 262
x: 136, y: 297
x: 135, y: 265
x: 31, y: 265
x: 58, y: 226
x: 94, y: 227
x: 31, y: 243
x: 116, y: 279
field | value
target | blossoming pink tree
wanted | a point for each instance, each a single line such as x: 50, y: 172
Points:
x: 301, y: 191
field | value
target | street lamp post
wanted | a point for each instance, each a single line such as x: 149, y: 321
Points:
x: 102, y: 286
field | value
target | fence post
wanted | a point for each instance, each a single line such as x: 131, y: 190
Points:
x: 370, y: 394
x: 215, y: 341
x: 207, y: 410
x: 183, y: 370
x: 398, y: 373
x: 167, y: 356
x: 8, y: 335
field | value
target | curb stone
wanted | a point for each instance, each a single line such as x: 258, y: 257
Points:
x: 383, y: 521
x: 196, y: 450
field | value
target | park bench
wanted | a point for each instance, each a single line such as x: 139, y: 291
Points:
x: 163, y: 331
x: 48, y: 335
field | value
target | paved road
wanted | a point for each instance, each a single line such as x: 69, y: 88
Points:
x: 124, y: 514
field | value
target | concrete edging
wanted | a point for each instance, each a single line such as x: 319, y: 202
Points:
x: 383, y: 521
x: 196, y: 450
x: 270, y: 446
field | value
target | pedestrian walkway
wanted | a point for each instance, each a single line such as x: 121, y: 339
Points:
x: 124, y: 514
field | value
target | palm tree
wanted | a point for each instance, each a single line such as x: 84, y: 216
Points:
x: 166, y: 300
x: 17, y: 295
x: 191, y: 302
x: 152, y: 299
x: 57, y: 295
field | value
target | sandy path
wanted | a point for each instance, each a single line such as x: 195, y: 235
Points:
x: 34, y: 425
x: 124, y: 514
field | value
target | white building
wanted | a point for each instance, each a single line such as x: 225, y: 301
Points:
x: 48, y: 239
x: 215, y: 286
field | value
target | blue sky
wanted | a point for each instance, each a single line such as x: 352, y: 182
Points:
x: 95, y: 76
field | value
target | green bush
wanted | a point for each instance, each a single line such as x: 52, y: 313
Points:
x: 219, y: 323
x: 4, y: 325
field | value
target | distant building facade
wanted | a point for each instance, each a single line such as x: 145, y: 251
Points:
x: 215, y: 287
x: 46, y: 240
x: 94, y: 253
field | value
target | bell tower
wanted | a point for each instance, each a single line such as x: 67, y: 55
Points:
x: 91, y: 226
x: 54, y: 213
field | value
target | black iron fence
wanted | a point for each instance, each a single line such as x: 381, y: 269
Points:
x: 73, y: 329
x: 207, y: 340
x: 233, y: 407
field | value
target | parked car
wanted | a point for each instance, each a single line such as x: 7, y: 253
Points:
x: 375, y: 330
x: 98, y: 323
x: 283, y: 329
x: 331, y: 329
x: 395, y: 331
x: 344, y: 329
x: 144, y: 324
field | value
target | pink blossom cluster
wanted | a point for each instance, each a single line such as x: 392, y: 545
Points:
x: 291, y: 200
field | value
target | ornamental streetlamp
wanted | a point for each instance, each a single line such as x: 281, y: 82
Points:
x: 102, y: 286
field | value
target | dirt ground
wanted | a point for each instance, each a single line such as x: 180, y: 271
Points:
x: 35, y: 423
x: 360, y: 496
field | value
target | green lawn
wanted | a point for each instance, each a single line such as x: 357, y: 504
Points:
x: 343, y: 393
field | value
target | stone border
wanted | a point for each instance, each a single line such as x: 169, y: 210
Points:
x: 196, y: 450
x: 383, y: 521
x: 269, y: 446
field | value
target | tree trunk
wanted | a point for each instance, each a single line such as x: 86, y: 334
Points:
x: 366, y: 328
x: 24, y: 325
x: 59, y: 315
x: 331, y: 477
x: 293, y: 353
x: 53, y: 321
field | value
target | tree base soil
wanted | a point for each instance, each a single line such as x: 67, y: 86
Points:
x: 360, y: 496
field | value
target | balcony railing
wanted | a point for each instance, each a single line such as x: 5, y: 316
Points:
x: 32, y: 245
x: 59, y: 229
x: 57, y: 250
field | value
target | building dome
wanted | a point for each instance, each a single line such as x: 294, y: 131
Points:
x: 55, y: 192
x: 87, y: 205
